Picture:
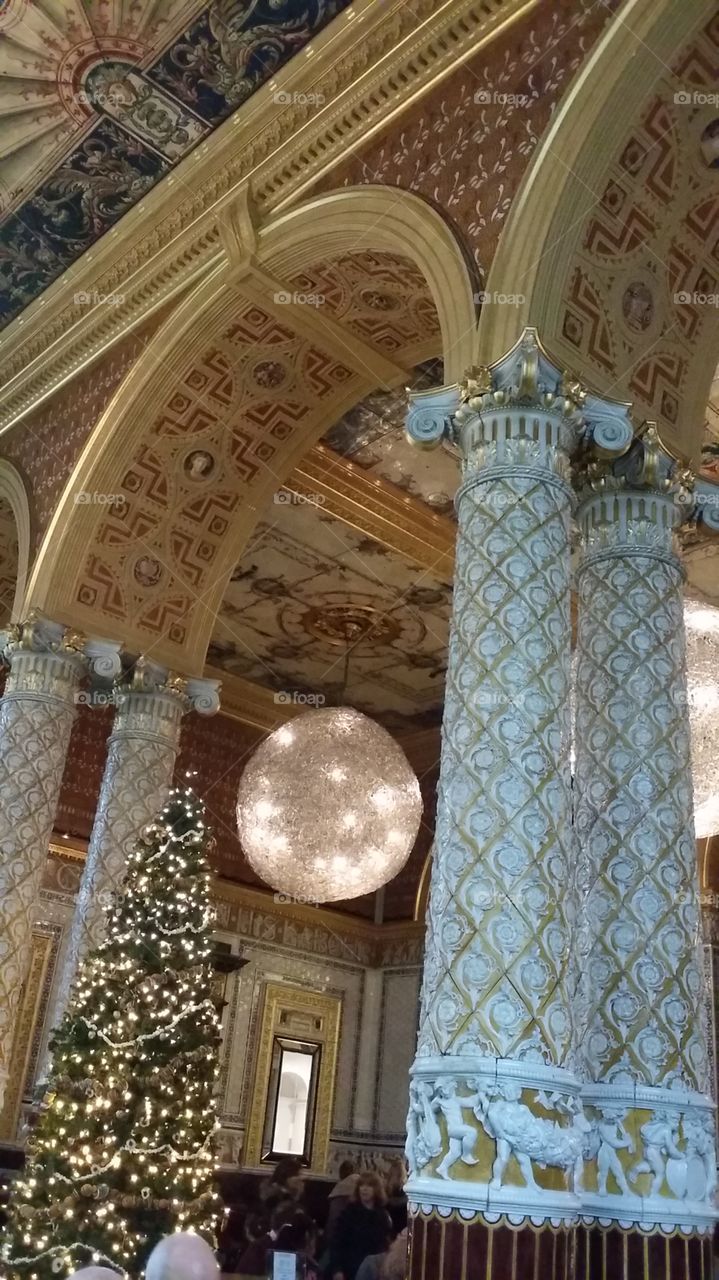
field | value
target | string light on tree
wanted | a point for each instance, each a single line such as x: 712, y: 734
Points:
x: 122, y: 1154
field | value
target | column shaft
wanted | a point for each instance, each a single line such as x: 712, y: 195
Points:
x: 142, y: 749
x: 36, y: 716
x: 494, y: 1129
x: 641, y: 1015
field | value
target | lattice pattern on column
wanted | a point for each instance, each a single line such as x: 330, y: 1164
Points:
x: 137, y: 777
x: 36, y: 716
x: 641, y: 1010
x: 643, y: 976
x: 498, y: 938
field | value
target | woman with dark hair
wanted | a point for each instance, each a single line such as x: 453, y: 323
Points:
x: 284, y: 1187
x: 363, y: 1228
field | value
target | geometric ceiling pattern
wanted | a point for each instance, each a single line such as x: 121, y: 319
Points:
x: 101, y: 100
x: 631, y: 294
x: 641, y: 289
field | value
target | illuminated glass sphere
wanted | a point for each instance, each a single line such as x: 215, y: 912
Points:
x: 328, y: 807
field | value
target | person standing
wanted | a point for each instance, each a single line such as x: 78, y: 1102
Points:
x: 340, y: 1196
x: 363, y: 1228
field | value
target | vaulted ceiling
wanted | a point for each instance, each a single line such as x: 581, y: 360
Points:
x: 103, y: 98
x: 268, y: 455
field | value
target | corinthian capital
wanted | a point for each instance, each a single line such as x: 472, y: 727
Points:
x: 40, y: 635
x: 429, y: 416
x: 150, y: 677
x: 523, y: 397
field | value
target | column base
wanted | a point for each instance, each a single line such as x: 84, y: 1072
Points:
x: 612, y: 1253
x: 460, y: 1246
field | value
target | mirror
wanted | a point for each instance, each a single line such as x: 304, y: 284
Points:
x: 289, y: 1120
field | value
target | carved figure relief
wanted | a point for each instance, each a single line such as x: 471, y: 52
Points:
x: 611, y: 1137
x: 660, y: 1136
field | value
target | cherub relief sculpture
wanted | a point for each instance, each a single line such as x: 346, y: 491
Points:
x: 424, y: 1140
x: 462, y: 1137
x: 611, y: 1137
x: 519, y: 1133
x: 659, y: 1137
x: 701, y: 1182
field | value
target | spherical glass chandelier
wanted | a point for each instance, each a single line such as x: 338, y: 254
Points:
x: 328, y: 807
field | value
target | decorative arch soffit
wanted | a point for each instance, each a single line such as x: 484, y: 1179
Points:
x: 306, y: 315
x: 610, y: 249
x: 14, y: 543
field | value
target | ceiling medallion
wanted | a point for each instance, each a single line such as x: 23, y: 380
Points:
x: 346, y: 624
x: 199, y: 465
x: 638, y: 306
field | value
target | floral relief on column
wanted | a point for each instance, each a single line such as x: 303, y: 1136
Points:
x: 641, y: 1011
x: 142, y: 750
x: 47, y: 663
x: 495, y: 1123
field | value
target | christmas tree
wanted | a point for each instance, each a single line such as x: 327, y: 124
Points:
x: 122, y: 1153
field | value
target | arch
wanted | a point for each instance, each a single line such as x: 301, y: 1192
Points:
x: 14, y: 558
x: 196, y: 381
x: 396, y: 221
x: 609, y: 205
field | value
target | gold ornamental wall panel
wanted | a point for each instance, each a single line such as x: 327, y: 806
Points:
x: 312, y: 1018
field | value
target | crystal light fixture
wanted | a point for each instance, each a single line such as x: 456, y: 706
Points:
x: 328, y: 807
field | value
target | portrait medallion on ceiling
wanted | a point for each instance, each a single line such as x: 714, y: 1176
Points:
x: 102, y: 101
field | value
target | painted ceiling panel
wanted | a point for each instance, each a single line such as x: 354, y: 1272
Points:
x: 100, y: 98
x: 372, y: 436
x: 304, y: 584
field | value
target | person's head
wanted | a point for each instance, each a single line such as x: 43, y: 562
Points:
x: 394, y: 1263
x: 297, y: 1235
x: 347, y: 1168
x: 288, y: 1174
x: 396, y: 1176
x: 369, y: 1191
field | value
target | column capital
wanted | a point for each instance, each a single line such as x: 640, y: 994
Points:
x: 523, y: 397
x: 635, y: 502
x: 39, y: 635
x: 147, y: 677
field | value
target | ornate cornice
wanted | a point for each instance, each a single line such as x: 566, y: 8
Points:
x: 375, y: 936
x: 367, y: 66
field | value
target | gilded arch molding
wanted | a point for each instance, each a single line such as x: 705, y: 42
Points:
x: 616, y: 215
x: 152, y: 569
x: 14, y: 542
